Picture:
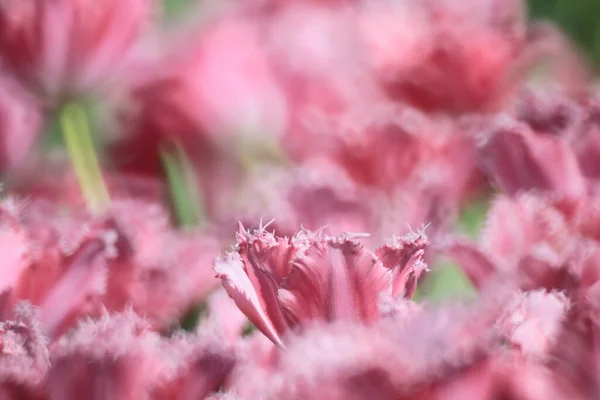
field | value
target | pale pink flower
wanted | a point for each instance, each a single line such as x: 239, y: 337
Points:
x: 315, y: 51
x: 533, y: 321
x: 215, y: 95
x: 216, y: 90
x: 573, y: 118
x: 395, y: 146
x: 349, y: 360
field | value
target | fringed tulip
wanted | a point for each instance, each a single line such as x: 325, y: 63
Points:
x: 284, y: 284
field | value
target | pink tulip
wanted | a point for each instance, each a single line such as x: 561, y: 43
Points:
x: 285, y: 284
x: 64, y: 47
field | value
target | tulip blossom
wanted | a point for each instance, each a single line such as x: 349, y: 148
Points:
x: 65, y: 47
x: 457, y: 56
x: 117, y: 260
x: 283, y: 284
x: 190, y: 96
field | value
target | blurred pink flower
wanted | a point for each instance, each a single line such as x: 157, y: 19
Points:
x: 58, y: 185
x: 224, y: 316
x: 315, y: 194
x: 450, y: 64
x: 525, y: 239
x: 64, y: 47
x: 315, y: 53
x: 120, y: 259
x: 24, y: 357
x: 284, y: 284
x: 532, y: 322
x: 116, y: 357
x: 349, y: 360
x: 159, y: 271
x: 521, y: 159
x: 573, y: 118
x: 197, y: 365
x: 396, y: 146
x: 20, y: 123
x: 459, y: 55
x: 48, y: 264
x: 217, y: 96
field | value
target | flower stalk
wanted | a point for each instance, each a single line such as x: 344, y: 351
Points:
x: 184, y: 193
x: 80, y: 146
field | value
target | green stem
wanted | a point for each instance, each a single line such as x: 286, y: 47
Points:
x: 185, y: 195
x: 77, y: 137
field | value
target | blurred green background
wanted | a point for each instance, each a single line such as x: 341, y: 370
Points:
x: 580, y: 19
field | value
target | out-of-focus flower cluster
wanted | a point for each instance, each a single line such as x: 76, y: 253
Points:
x: 283, y: 178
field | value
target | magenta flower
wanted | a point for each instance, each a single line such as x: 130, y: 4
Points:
x: 284, y: 284
x: 64, y: 47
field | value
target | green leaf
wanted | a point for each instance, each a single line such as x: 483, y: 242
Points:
x: 176, y: 8
x: 473, y: 218
x: 446, y: 281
